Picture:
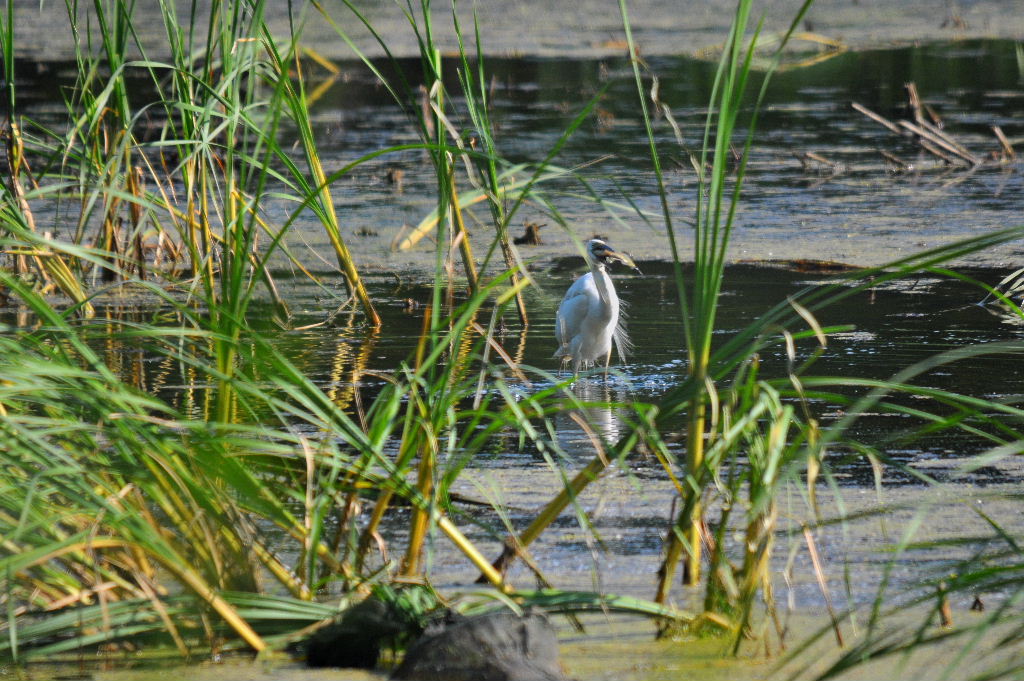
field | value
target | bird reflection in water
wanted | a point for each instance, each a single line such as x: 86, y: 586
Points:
x: 596, y: 424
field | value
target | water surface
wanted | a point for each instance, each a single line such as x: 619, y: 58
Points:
x: 855, y: 210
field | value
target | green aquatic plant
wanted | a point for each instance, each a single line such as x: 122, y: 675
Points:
x: 143, y: 516
x: 125, y: 519
x: 112, y: 494
x: 716, y: 204
x: 913, y: 625
x: 214, y: 518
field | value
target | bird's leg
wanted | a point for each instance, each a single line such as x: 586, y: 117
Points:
x: 607, y: 362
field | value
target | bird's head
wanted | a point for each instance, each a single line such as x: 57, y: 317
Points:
x: 599, y: 252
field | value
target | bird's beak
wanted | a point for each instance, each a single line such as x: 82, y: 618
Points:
x: 623, y: 258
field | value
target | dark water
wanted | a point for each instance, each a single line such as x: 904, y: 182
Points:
x: 892, y: 327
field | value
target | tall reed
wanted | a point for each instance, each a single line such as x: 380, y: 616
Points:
x: 698, y: 299
x: 16, y: 193
x: 167, y: 179
x: 161, y: 522
x: 132, y: 487
x: 748, y: 436
x: 127, y: 514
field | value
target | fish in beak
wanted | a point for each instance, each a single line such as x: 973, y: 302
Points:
x: 605, y: 253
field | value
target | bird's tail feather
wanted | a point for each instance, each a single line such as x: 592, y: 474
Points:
x: 623, y: 345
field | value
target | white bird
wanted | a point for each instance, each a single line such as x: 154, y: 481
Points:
x: 588, y: 319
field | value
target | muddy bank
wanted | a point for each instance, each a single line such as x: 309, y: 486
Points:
x: 589, y: 28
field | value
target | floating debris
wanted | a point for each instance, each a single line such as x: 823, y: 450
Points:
x: 807, y: 266
x: 811, y: 160
x: 395, y: 177
x: 927, y: 129
x: 531, y: 235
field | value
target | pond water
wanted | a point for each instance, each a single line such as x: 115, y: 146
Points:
x: 892, y: 327
x: 854, y: 209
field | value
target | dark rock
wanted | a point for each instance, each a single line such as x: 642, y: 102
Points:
x: 495, y: 647
x: 355, y: 640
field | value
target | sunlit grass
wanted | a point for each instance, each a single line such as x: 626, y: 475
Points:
x: 130, y: 518
x: 256, y: 506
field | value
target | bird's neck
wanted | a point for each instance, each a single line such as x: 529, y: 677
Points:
x: 602, y: 281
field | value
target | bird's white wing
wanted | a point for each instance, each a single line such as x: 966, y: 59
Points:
x: 573, y: 311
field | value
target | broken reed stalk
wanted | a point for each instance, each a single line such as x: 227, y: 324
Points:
x: 939, y: 133
x: 941, y: 140
x: 920, y: 108
x: 807, y: 156
x: 894, y: 159
x: 52, y: 268
x: 931, y: 136
x: 885, y: 122
x: 915, y: 101
x: 1004, y: 143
